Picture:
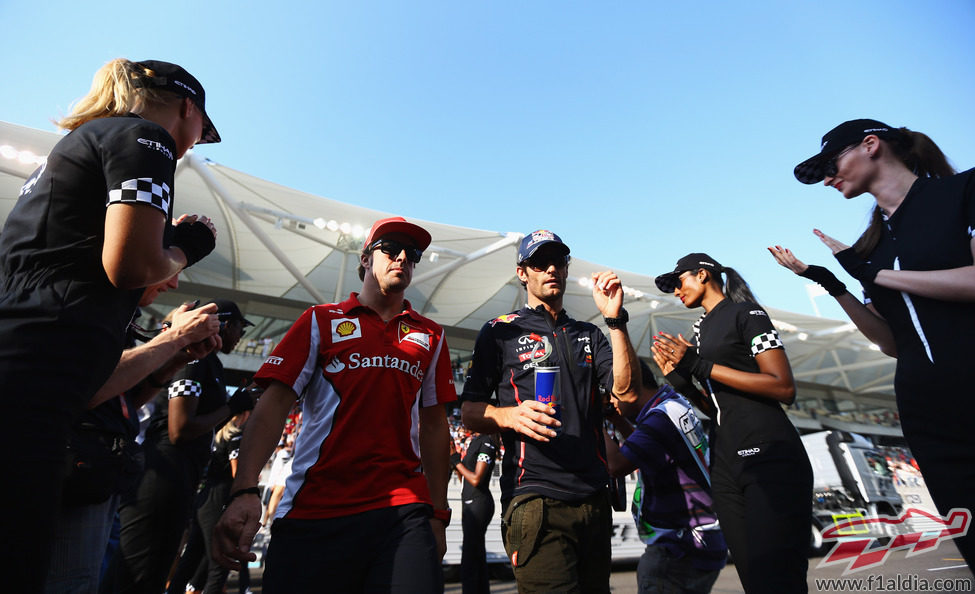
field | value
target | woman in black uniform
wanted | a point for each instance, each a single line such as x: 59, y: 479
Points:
x: 915, y: 262
x: 91, y: 228
x: 478, y: 509
x: 761, y: 479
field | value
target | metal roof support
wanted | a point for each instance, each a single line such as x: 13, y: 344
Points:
x: 201, y: 168
x: 445, y: 271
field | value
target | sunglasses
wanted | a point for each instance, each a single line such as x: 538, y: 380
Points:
x: 394, y: 248
x: 830, y: 169
x: 540, y: 263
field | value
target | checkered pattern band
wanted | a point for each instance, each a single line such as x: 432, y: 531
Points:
x: 766, y: 342
x: 234, y: 455
x: 482, y: 457
x: 697, y: 331
x: 185, y: 388
x: 142, y: 190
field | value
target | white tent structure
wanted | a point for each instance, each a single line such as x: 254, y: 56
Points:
x: 280, y: 250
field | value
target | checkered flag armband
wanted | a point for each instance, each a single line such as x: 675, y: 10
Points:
x: 766, y: 341
x: 142, y: 190
x: 185, y: 388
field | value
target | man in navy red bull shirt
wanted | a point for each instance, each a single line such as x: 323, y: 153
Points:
x: 555, y: 504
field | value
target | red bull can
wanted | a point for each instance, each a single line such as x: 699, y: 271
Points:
x: 547, y: 390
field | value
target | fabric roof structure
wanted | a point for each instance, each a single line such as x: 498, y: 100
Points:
x: 280, y: 250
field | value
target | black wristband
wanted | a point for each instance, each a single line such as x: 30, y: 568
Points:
x: 195, y: 239
x: 619, y: 321
x: 692, y: 363
x: 240, y: 401
x: 824, y: 278
x: 860, y: 269
x: 247, y: 491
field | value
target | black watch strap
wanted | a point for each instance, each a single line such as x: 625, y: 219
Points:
x: 619, y: 321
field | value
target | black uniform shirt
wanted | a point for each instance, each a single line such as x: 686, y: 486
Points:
x: 932, y: 229
x: 732, y: 334
x: 571, y: 466
x: 481, y: 449
x: 51, y: 244
x: 203, y: 380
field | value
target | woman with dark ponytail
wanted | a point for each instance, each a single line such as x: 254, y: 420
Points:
x: 761, y: 480
x: 915, y: 262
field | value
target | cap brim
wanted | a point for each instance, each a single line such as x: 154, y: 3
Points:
x: 420, y: 235
x: 210, y: 134
x: 565, y: 249
x: 812, y: 170
x: 668, y: 281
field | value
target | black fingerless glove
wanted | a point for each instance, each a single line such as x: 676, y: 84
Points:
x: 195, y: 239
x: 454, y: 459
x: 692, y: 363
x: 825, y: 279
x: 858, y: 268
x: 241, y: 400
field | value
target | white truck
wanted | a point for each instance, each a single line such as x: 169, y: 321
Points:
x: 851, y: 480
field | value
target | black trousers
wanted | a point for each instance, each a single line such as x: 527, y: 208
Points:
x: 764, y: 504
x: 390, y: 549
x: 153, y: 521
x: 936, y: 410
x: 476, y: 516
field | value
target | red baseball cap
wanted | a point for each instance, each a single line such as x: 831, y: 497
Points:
x: 398, y: 225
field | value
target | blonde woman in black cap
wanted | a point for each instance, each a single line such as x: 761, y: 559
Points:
x: 915, y: 262
x: 92, y: 226
x: 761, y: 480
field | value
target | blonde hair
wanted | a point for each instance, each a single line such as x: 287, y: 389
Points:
x: 118, y: 88
x: 228, y: 431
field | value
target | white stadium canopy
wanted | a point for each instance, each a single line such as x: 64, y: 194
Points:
x: 280, y: 250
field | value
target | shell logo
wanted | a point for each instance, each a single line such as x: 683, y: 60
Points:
x: 345, y: 329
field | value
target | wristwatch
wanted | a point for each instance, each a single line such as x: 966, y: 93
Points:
x: 620, y: 321
x: 443, y: 515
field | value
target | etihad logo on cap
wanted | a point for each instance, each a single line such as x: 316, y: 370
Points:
x: 184, y: 85
x: 345, y: 329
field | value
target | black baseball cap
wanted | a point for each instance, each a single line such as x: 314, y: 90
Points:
x: 668, y: 281
x: 536, y: 239
x: 172, y: 77
x: 813, y: 169
x: 228, y: 307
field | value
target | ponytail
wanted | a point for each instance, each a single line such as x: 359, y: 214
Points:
x: 733, y: 285
x: 119, y: 87
x: 920, y: 155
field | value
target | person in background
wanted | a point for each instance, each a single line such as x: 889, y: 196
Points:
x: 761, y: 479
x: 90, y: 229
x: 177, y: 447
x: 211, y: 499
x: 103, y: 458
x: 556, y: 517
x: 478, y: 508
x: 672, y: 506
x: 916, y: 263
x: 365, y: 507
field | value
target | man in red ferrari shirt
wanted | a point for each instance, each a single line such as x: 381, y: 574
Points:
x: 365, y: 508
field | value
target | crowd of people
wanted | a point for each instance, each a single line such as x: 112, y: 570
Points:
x: 363, y: 506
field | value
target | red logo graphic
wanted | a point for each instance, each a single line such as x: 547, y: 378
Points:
x: 859, y: 532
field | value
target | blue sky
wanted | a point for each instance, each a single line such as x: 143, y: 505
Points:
x: 638, y: 131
